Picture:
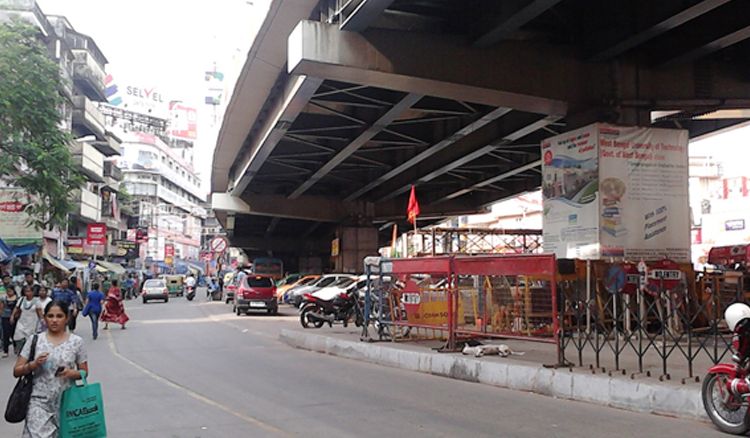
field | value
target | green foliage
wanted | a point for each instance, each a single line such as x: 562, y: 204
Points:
x: 34, y: 153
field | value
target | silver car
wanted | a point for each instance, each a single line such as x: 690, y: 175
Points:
x: 155, y: 289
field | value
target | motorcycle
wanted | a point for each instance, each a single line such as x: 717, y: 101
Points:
x: 726, y: 387
x: 316, y: 311
x: 190, y: 293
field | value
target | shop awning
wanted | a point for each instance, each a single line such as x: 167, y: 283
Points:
x: 25, y: 250
x: 5, y: 252
x: 57, y: 263
x: 72, y: 264
x: 111, y: 267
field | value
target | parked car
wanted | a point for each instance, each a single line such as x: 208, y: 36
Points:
x: 296, y: 295
x: 255, y: 292
x: 302, y: 281
x: 336, y: 288
x: 155, y: 289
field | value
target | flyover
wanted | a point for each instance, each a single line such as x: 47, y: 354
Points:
x: 342, y: 105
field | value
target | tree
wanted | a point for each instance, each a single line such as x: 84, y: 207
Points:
x: 34, y: 152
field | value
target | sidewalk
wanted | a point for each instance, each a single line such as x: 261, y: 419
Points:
x: 524, y: 373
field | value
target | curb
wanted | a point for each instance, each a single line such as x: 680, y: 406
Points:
x: 626, y: 394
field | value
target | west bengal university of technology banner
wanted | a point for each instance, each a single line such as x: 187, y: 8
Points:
x: 617, y: 192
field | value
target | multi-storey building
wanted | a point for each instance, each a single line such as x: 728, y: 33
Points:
x: 165, y: 191
x: 82, y: 70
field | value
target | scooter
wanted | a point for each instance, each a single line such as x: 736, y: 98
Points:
x: 316, y: 311
x: 190, y: 293
x: 726, y: 387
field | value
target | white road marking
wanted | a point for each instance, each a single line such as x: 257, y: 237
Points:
x: 246, y: 418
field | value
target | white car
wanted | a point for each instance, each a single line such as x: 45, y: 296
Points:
x: 297, y: 295
x: 342, y: 285
x: 155, y: 289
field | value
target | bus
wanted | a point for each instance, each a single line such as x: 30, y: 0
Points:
x: 268, y: 266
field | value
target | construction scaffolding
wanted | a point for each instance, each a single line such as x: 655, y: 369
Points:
x: 450, y: 241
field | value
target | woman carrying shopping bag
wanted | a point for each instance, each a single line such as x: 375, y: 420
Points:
x: 60, y: 357
x: 25, y: 317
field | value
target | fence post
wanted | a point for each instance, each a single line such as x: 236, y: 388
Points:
x: 555, y: 310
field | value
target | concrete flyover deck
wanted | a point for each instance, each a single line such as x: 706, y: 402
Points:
x: 342, y: 106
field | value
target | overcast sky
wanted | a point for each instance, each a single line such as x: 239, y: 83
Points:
x: 168, y: 45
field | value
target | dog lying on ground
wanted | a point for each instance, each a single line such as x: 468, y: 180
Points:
x: 501, y: 350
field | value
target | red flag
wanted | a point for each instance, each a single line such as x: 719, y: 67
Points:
x: 412, y: 211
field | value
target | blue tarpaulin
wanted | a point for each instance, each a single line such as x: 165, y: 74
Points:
x: 5, y: 252
x: 25, y: 250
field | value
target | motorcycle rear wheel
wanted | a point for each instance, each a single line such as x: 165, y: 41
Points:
x: 728, y: 414
x: 306, y: 321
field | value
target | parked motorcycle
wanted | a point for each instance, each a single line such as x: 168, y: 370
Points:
x: 190, y: 293
x: 726, y: 387
x: 341, y: 308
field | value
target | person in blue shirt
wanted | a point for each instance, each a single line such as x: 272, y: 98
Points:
x: 93, y: 307
x: 65, y: 294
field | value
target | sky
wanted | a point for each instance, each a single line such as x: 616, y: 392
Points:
x: 169, y: 45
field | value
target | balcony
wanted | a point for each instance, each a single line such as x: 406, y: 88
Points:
x: 112, y: 175
x: 88, y: 205
x: 29, y: 11
x: 109, y: 146
x: 88, y: 75
x: 89, y: 160
x: 87, y: 119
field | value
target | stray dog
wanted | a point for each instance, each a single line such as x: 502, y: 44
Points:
x: 501, y: 350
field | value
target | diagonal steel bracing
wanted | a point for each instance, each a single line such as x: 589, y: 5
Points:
x: 365, y: 136
x: 432, y: 150
x: 509, y: 138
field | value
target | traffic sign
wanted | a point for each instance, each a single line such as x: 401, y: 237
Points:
x: 219, y: 244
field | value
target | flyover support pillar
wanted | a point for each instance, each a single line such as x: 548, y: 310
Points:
x: 351, y: 246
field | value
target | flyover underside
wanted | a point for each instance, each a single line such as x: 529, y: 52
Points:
x: 358, y: 117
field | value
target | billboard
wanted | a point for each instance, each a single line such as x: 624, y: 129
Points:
x: 617, y: 192
x: 14, y: 221
x: 183, y: 121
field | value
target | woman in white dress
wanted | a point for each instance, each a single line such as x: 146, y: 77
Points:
x: 25, y: 316
x: 59, y: 357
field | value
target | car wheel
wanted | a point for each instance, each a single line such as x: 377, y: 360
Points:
x: 273, y: 311
x: 166, y: 300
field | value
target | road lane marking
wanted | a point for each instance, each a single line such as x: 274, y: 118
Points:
x: 202, y: 398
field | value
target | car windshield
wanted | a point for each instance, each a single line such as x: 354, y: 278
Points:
x: 258, y: 282
x: 327, y: 281
x: 154, y: 283
x: 305, y: 281
x: 343, y: 282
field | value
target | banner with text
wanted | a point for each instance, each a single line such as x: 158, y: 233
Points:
x: 644, y: 204
x: 612, y: 191
x: 570, y: 172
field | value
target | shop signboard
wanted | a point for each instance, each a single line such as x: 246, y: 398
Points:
x: 75, y: 245
x: 126, y: 249
x: 14, y: 221
x: 617, y: 192
x: 96, y: 234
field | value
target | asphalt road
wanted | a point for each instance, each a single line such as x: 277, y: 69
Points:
x: 193, y: 369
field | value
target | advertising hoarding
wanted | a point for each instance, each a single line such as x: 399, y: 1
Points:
x: 629, y: 183
x: 14, y: 221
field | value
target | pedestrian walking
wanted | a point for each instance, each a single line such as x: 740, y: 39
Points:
x: 58, y: 359
x: 9, y: 304
x: 44, y: 299
x: 64, y: 294
x: 7, y: 284
x: 25, y: 317
x: 114, y: 310
x: 77, y: 304
x: 93, y: 308
x: 31, y: 282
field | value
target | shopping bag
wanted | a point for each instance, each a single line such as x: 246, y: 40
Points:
x: 82, y: 411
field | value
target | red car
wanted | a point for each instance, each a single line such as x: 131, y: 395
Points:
x: 255, y: 292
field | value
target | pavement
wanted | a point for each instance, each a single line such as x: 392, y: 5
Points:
x: 194, y: 369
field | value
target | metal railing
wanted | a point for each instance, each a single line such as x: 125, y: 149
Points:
x: 662, y: 327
